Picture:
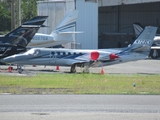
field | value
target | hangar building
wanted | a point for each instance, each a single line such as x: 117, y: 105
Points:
x: 106, y: 23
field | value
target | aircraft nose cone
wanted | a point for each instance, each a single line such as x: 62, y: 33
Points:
x: 15, y: 59
x: 9, y: 59
x: 1, y: 60
x: 5, y: 60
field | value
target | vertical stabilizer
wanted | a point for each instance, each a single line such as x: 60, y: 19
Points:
x: 144, y: 41
x: 22, y: 35
x: 137, y: 28
x: 66, y: 28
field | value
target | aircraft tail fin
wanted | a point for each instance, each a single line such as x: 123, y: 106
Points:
x: 22, y: 35
x: 137, y: 28
x: 144, y: 41
x: 66, y: 28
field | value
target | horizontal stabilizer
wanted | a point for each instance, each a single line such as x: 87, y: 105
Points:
x: 38, y: 20
x: 69, y: 32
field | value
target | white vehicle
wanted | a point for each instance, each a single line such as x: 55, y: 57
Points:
x: 61, y: 35
x: 87, y: 58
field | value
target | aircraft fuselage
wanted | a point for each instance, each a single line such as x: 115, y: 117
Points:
x: 45, y: 40
x: 68, y: 57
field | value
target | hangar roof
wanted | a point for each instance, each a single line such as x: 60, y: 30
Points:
x: 102, y: 3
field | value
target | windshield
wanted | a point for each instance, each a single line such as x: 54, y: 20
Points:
x: 31, y: 51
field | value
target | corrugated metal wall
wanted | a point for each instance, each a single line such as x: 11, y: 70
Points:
x: 146, y: 14
x: 108, y: 19
x: 120, y: 19
x: 88, y: 23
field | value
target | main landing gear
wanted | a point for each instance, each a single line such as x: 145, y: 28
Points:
x: 73, y: 68
x: 85, y: 67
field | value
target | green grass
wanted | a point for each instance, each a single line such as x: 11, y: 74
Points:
x: 81, y: 84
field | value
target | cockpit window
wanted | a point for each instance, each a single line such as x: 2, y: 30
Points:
x: 32, y: 52
x: 36, y: 52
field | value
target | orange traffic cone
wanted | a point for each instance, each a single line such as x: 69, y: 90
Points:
x: 102, y: 71
x: 57, y: 67
x: 10, y: 69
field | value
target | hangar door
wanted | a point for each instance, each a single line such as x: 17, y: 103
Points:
x: 115, y: 27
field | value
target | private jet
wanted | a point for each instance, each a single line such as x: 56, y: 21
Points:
x: 61, y: 35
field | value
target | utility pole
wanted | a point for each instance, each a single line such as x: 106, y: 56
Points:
x: 19, y: 12
x: 12, y: 14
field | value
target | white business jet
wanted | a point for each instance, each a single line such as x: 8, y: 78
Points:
x: 61, y: 35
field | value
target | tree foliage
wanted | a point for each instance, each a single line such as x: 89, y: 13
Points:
x: 28, y: 11
x: 5, y: 16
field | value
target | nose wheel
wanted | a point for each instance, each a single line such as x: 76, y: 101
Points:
x: 19, y: 68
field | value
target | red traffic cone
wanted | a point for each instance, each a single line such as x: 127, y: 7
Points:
x: 10, y: 69
x: 102, y: 71
x: 57, y: 67
x: 34, y: 65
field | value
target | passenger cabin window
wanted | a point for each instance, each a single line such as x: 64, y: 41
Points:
x: 61, y: 53
x: 58, y: 53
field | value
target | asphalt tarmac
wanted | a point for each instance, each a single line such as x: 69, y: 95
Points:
x: 148, y: 66
x: 79, y: 107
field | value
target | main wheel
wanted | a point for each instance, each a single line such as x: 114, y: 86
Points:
x: 73, y: 68
x: 19, y: 68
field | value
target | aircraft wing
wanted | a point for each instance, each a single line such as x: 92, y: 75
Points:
x: 70, y: 32
x: 113, y: 50
x: 95, y: 58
